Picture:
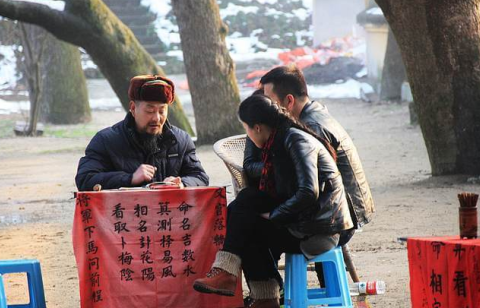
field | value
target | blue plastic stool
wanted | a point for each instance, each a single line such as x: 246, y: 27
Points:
x: 35, y: 283
x: 336, y: 292
x: 3, y: 297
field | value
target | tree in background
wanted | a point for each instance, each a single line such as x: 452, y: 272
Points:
x: 210, y: 70
x: 34, y: 45
x: 393, y: 74
x: 65, y: 93
x: 111, y: 45
x: 440, y: 45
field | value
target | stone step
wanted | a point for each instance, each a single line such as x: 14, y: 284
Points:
x: 153, y: 48
x: 149, y: 39
x: 138, y: 20
x: 140, y: 30
x: 122, y: 2
x: 129, y: 10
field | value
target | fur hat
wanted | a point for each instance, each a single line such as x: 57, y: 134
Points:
x: 151, y: 88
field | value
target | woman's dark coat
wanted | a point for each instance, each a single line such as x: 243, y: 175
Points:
x: 308, y: 185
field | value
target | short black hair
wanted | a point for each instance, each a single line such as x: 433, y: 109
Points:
x: 286, y: 80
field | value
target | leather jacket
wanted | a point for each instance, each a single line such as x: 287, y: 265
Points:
x: 308, y: 185
x: 252, y: 163
x: 316, y: 117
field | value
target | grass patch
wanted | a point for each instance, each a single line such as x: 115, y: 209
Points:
x: 6, y: 128
x: 50, y: 130
x: 75, y: 131
x: 64, y: 150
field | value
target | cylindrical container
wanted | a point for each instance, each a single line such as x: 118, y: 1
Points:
x: 468, y: 222
x: 375, y: 287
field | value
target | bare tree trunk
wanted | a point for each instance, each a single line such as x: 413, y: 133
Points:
x: 210, y: 70
x: 440, y: 44
x: 33, y: 43
x: 64, y: 93
x: 393, y: 74
x: 112, y: 46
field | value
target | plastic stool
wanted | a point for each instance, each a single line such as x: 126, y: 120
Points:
x: 3, y: 297
x: 35, y: 283
x: 336, y: 292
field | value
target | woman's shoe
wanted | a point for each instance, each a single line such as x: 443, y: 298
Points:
x: 217, y: 281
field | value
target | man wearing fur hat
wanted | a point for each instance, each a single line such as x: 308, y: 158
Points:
x: 144, y: 147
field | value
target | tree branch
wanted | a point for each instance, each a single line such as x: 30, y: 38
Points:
x: 61, y: 24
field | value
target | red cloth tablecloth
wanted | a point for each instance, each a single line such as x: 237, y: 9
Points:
x: 444, y: 272
x: 145, y: 248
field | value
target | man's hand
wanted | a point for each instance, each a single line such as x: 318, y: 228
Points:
x: 144, y: 173
x: 175, y: 180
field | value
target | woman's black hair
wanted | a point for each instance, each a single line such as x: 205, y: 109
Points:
x: 260, y: 109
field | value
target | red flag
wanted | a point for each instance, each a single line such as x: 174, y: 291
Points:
x: 146, y: 248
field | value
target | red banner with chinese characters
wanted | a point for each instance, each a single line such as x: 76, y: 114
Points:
x: 145, y: 248
x: 444, y: 272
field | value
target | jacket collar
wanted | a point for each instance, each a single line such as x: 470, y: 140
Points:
x: 310, y: 107
x: 306, y: 109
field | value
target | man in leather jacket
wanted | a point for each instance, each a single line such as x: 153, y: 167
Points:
x: 287, y: 86
x: 144, y: 147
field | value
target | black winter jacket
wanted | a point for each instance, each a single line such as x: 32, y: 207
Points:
x: 309, y: 186
x: 114, y: 153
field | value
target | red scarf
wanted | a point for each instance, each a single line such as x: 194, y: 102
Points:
x: 267, y: 180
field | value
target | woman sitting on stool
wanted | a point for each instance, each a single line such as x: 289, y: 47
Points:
x: 299, y: 207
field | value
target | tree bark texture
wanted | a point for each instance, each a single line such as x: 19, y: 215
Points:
x: 112, y: 46
x: 65, y: 93
x: 210, y: 70
x: 393, y: 74
x: 440, y: 44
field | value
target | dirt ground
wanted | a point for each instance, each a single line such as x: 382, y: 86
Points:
x: 37, y: 185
